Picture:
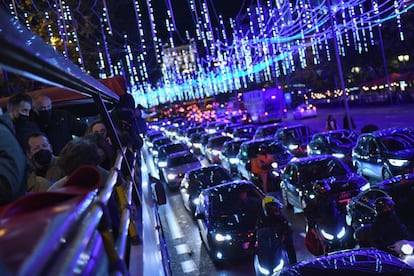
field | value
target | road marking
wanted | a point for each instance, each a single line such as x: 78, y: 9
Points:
x: 176, y: 232
x: 182, y: 248
x: 188, y: 266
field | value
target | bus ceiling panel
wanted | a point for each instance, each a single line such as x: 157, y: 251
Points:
x: 26, y: 54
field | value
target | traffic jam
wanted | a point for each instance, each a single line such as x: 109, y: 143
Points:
x: 231, y: 173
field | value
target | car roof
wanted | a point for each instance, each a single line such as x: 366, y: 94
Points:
x: 300, y: 160
x: 235, y: 184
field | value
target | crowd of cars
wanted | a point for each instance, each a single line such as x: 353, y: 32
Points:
x: 356, y: 166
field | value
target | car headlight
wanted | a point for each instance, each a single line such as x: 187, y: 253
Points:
x: 338, y: 155
x: 197, y: 145
x: 234, y: 161
x: 407, y: 249
x: 327, y: 235
x: 196, y: 201
x: 293, y: 147
x: 220, y: 238
x: 279, y: 266
x: 398, y: 162
x: 162, y: 164
x: 341, y: 233
x: 171, y: 176
x: 365, y: 187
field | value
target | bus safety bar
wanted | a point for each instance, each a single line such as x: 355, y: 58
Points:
x: 94, y: 219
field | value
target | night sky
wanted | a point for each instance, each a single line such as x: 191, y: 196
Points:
x: 123, y: 15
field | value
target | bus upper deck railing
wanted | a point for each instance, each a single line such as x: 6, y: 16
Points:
x: 71, y: 233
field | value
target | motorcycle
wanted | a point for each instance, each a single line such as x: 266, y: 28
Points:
x: 270, y: 255
x: 328, y: 235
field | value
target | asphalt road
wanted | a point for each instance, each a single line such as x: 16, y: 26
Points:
x: 187, y: 253
x: 384, y: 116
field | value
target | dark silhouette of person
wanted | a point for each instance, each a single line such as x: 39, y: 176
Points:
x: 386, y: 229
x: 18, y: 108
x: 331, y: 123
x: 58, y: 125
x: 272, y: 217
x: 13, y: 166
x: 349, y: 124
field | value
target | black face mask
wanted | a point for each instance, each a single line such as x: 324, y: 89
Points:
x: 44, y: 116
x: 43, y: 157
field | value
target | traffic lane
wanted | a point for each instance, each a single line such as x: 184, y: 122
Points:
x: 187, y: 252
x: 383, y: 116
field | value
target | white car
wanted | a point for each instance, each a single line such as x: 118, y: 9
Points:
x: 305, y: 111
x: 177, y: 165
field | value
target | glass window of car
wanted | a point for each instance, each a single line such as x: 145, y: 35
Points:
x: 182, y: 159
x: 321, y: 169
x: 363, y: 145
x: 395, y: 143
x: 223, y: 197
x: 372, y: 146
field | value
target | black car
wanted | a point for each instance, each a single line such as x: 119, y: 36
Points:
x: 300, y: 175
x: 267, y: 131
x: 385, y: 153
x: 249, y: 150
x: 339, y: 143
x: 228, y: 154
x: 226, y: 216
x: 168, y: 149
x: 355, y: 262
x: 361, y: 210
x: 214, y: 147
x: 197, y: 180
x: 295, y: 138
x: 159, y: 142
x: 244, y: 131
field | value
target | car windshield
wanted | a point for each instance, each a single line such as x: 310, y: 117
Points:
x: 218, y: 141
x: 174, y: 148
x: 182, y: 159
x: 236, y: 200
x: 341, y: 138
x: 279, y: 150
x: 209, y: 177
x: 396, y: 143
x: 297, y: 133
x: 321, y: 169
x: 267, y: 131
x: 233, y: 148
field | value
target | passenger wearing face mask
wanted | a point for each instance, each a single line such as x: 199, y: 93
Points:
x: 45, y: 170
x: 58, y: 125
x: 18, y: 108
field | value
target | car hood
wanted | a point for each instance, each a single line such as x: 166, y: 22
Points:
x: 402, y: 154
x: 346, y: 182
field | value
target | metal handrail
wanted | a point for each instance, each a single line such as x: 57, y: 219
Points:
x: 27, y: 55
